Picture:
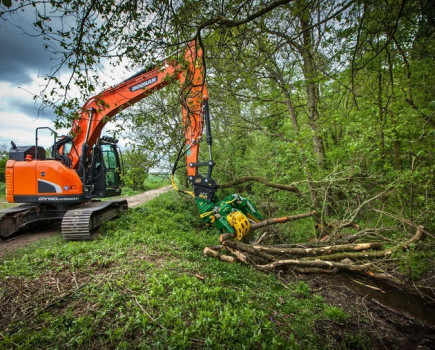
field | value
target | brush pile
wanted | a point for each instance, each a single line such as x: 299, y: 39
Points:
x: 326, y: 255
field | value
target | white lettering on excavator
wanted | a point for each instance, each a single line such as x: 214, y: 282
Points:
x: 144, y: 84
x: 68, y: 199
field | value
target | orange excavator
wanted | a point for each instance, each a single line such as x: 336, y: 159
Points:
x: 85, y: 166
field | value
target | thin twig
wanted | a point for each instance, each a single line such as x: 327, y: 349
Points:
x: 405, y: 221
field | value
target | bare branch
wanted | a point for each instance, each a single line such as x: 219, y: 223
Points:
x: 243, y: 179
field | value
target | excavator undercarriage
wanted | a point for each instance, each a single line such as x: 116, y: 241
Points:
x: 78, y: 222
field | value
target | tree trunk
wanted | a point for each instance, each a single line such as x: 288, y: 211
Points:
x: 381, y: 117
x: 293, y: 117
x: 312, y: 88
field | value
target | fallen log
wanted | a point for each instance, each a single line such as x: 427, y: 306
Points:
x: 225, y: 237
x: 353, y: 255
x: 318, y: 250
x: 210, y: 252
x: 339, y: 252
x: 377, y: 254
x: 319, y: 259
x: 329, y: 265
x: 386, y: 277
x: 418, y: 236
x: 248, y: 249
x: 241, y: 257
x: 314, y: 270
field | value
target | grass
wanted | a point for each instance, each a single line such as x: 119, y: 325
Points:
x: 3, y: 203
x: 144, y: 283
x: 153, y: 182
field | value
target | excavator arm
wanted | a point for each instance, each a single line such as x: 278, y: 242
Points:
x: 98, y: 110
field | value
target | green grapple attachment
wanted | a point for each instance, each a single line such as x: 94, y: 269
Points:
x: 233, y: 214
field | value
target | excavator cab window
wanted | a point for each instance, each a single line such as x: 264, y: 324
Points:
x: 112, y: 166
x: 67, y: 148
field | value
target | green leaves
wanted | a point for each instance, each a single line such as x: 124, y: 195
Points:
x: 7, y: 3
x: 136, y: 165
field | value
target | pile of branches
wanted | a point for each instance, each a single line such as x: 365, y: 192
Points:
x: 320, y: 257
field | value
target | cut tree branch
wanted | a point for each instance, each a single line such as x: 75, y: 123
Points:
x: 311, y: 260
x: 313, y: 263
x: 378, y: 254
x: 243, y: 179
x: 281, y: 220
x: 237, y: 246
x: 213, y: 253
x: 319, y: 250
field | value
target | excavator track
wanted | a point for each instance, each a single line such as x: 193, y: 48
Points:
x: 78, y: 224
x: 16, y: 219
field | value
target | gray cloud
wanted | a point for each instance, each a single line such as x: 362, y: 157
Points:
x: 21, y: 54
x: 32, y: 109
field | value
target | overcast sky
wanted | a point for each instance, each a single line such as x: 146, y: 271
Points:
x: 23, y: 64
x: 22, y: 59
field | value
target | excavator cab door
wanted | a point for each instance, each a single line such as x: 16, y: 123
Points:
x: 106, y: 170
x: 112, y: 166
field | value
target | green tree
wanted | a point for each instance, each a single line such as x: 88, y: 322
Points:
x: 136, y: 166
x: 4, y: 156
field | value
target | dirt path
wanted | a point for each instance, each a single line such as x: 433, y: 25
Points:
x: 138, y: 199
x: 25, y: 239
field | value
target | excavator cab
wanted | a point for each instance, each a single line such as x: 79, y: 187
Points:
x: 101, y: 170
x: 106, y: 168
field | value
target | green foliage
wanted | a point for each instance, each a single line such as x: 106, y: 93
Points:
x: 7, y: 3
x: 135, y: 286
x: 303, y: 289
x: 136, y: 165
x: 4, y: 156
x: 154, y: 181
x: 414, y: 262
x: 3, y: 161
x: 335, y: 314
x: 356, y: 91
x: 2, y: 191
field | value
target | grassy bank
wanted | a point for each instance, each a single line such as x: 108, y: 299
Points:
x: 144, y: 283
